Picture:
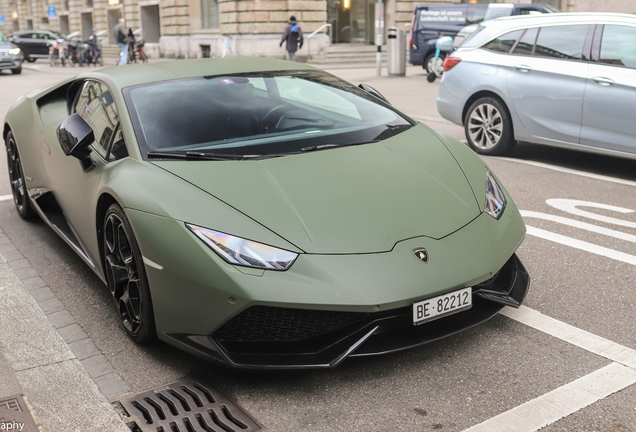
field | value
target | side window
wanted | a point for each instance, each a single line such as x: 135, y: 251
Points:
x: 618, y: 46
x: 96, y: 106
x: 503, y: 43
x: 561, y: 42
x: 526, y: 43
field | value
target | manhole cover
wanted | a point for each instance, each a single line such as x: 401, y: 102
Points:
x: 190, y: 405
x: 14, y: 415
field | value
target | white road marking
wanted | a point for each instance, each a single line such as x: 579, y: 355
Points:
x: 573, y: 335
x: 572, y: 397
x: 6, y: 197
x: 570, y: 206
x: 581, y: 225
x: 571, y: 171
x: 579, y: 244
x: 561, y: 402
x: 151, y: 263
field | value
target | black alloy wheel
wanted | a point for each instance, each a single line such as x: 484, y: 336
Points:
x: 16, y: 178
x: 126, y: 276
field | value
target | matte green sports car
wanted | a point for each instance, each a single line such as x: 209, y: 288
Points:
x: 262, y: 213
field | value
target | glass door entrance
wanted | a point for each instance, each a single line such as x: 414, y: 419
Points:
x: 352, y: 20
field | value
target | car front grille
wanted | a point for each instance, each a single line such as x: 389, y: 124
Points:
x: 265, y: 323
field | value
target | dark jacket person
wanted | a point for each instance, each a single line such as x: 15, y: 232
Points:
x: 294, y: 37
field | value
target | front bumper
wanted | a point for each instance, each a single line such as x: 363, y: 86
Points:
x: 360, y: 304
x: 10, y: 62
x: 279, y: 338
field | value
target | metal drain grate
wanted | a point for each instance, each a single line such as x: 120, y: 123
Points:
x: 185, y: 406
x: 14, y: 415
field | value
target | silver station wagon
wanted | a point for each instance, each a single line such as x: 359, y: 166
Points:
x: 565, y: 80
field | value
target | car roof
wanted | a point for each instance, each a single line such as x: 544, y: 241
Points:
x: 31, y: 31
x: 135, y: 74
x: 502, y: 25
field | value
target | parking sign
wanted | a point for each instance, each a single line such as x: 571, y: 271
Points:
x: 52, y: 12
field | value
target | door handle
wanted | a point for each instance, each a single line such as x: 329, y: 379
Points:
x: 603, y: 81
x: 522, y: 68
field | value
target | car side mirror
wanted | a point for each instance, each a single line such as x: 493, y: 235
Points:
x: 374, y: 92
x: 74, y: 136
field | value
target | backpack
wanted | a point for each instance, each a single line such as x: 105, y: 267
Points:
x: 295, y: 29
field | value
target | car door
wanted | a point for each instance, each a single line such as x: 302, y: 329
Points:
x: 545, y: 77
x: 26, y: 42
x: 43, y: 41
x: 75, y: 189
x: 610, y: 95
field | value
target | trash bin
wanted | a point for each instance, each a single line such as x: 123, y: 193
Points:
x: 396, y: 52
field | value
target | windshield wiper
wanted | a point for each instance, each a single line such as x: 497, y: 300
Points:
x: 192, y: 155
x: 326, y: 146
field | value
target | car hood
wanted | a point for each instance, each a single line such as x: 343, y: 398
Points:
x: 358, y: 199
x: 5, y: 46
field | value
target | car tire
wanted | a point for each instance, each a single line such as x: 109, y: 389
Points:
x: 427, y: 63
x: 17, y: 179
x: 30, y: 60
x: 488, y: 127
x: 126, y: 276
x: 16, y: 71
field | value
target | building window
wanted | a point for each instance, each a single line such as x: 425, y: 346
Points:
x: 210, y: 14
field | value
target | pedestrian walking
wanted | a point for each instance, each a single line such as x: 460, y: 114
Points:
x: 294, y: 37
x: 122, y: 40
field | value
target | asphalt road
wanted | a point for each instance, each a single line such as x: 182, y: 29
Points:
x: 562, y: 355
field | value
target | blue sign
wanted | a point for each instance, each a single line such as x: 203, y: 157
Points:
x: 1, y: 19
x: 52, y: 12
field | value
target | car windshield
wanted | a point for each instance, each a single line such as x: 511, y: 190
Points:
x: 3, y: 38
x: 257, y: 115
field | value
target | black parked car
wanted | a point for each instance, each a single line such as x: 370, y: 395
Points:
x: 35, y: 43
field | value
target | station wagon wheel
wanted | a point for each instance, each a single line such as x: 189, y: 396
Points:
x: 488, y: 127
x: 16, y: 178
x: 126, y: 276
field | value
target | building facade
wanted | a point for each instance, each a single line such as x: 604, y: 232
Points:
x: 216, y: 28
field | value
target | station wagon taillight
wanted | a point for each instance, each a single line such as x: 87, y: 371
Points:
x: 451, y: 62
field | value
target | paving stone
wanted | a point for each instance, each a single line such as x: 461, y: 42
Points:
x: 72, y: 333
x: 13, y: 256
x: 97, y: 365
x: 19, y: 264
x: 84, y: 348
x: 112, y: 386
x: 33, y: 283
x: 42, y: 294
x: 61, y: 318
x: 26, y: 273
x: 8, y: 247
x: 51, y: 305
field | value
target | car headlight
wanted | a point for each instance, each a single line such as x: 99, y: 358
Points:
x: 236, y: 250
x: 14, y: 51
x: 495, y: 198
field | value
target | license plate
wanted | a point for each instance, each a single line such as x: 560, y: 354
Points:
x: 440, y: 306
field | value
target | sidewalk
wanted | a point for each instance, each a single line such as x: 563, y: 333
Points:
x: 39, y: 375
